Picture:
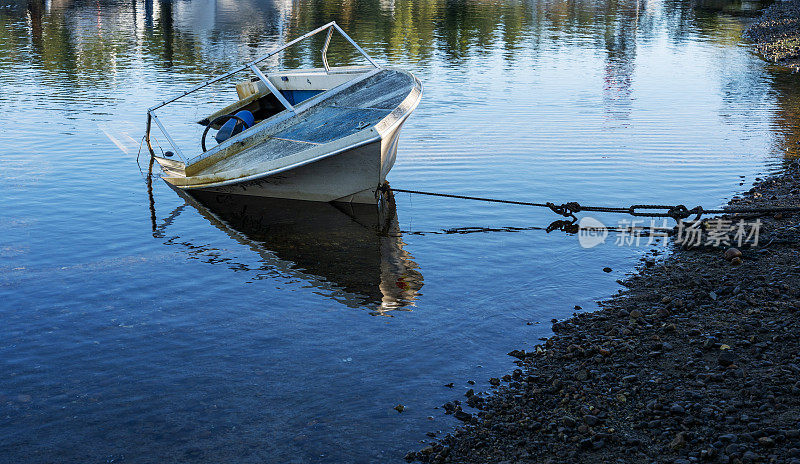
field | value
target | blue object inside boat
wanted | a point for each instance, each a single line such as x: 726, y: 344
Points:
x: 234, y: 126
x: 296, y: 96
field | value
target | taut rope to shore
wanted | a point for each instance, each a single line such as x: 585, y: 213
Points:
x: 677, y: 212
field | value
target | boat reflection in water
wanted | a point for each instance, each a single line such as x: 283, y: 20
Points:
x: 353, y: 251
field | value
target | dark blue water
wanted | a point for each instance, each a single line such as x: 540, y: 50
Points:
x: 278, y: 333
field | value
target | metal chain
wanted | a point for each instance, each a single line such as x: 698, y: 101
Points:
x: 569, y: 209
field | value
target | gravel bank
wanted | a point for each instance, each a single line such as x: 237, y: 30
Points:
x: 776, y: 33
x: 698, y: 360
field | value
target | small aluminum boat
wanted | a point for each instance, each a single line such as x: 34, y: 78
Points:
x: 326, y: 134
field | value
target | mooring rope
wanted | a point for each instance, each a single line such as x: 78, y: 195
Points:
x: 677, y: 212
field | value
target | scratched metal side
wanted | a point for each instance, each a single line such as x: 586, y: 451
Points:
x: 271, y: 149
x: 331, y: 123
x: 385, y: 91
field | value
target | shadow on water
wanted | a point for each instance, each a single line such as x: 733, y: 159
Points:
x: 353, y: 252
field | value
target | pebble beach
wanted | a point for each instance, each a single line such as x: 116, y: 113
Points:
x: 776, y: 34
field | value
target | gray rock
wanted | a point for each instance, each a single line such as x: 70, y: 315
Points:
x: 750, y: 456
x: 590, y: 420
x: 726, y: 358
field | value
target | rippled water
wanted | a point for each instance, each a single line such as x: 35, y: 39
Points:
x: 240, y: 330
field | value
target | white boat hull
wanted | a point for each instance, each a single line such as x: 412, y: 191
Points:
x: 361, y: 170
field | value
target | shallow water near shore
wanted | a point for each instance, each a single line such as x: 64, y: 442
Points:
x: 231, y: 329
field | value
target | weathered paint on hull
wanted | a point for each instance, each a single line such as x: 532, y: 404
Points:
x: 329, y: 179
x: 361, y: 170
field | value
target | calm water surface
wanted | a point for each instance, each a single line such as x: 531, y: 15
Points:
x: 256, y: 331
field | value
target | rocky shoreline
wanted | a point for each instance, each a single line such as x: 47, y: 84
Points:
x: 776, y: 34
x: 697, y: 360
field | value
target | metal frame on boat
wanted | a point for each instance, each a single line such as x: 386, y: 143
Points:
x: 330, y: 27
x: 387, y: 94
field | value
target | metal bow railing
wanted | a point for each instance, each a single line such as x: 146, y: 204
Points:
x: 252, y: 65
